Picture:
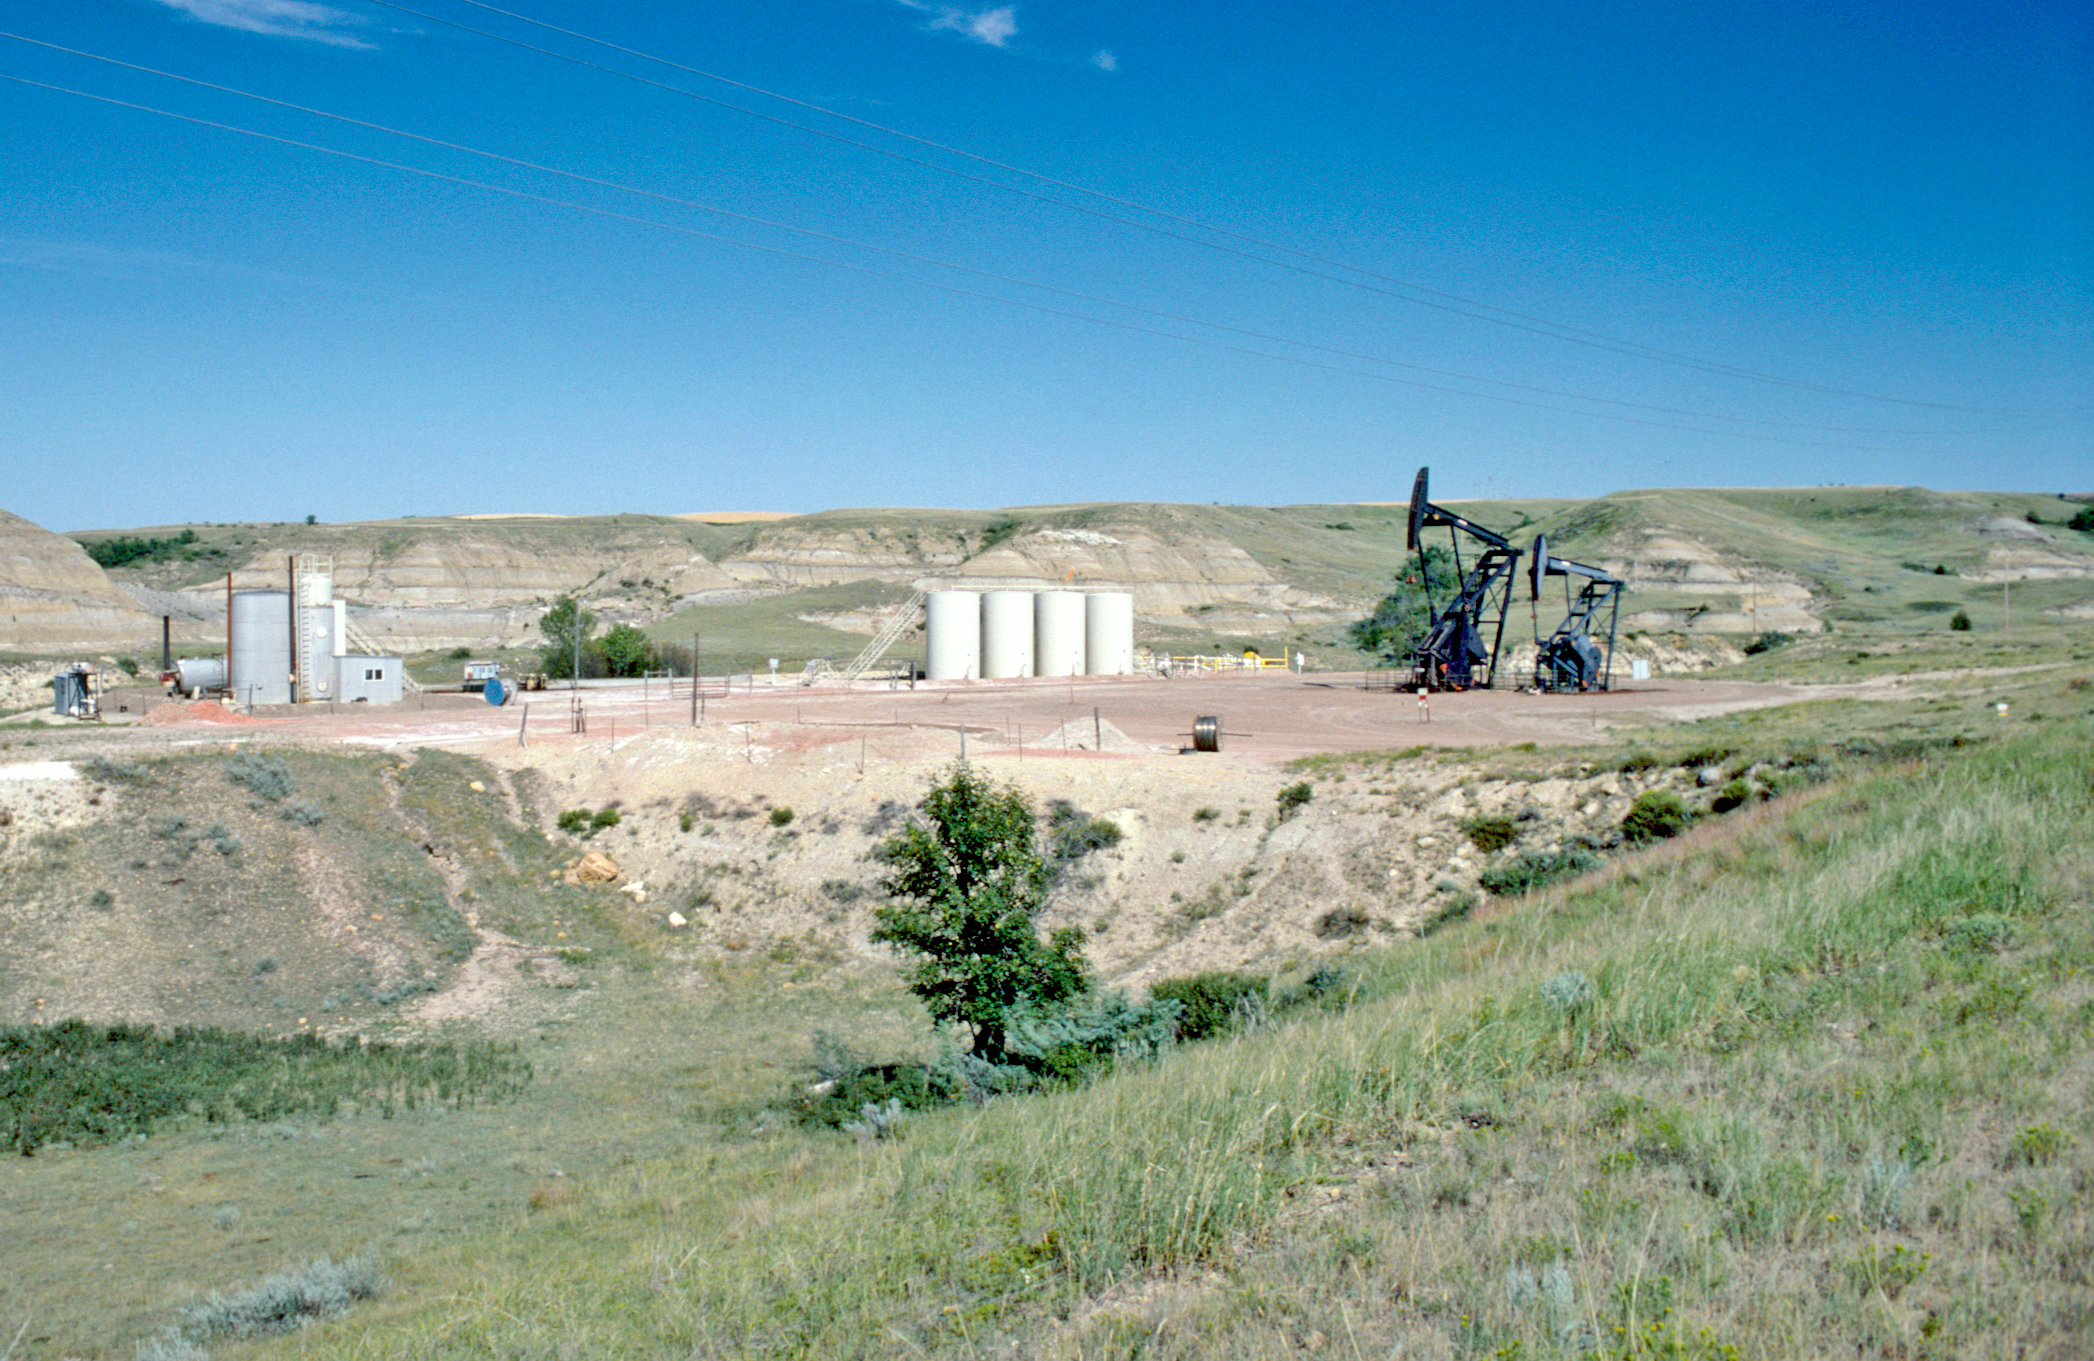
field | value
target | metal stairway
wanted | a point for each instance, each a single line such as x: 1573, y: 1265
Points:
x: 898, y: 623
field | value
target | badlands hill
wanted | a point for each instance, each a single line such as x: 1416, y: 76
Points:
x: 1705, y: 561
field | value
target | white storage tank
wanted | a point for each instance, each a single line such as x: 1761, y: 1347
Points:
x: 1006, y: 634
x: 1057, y: 633
x: 1108, y: 634
x: 952, y: 623
x: 260, y: 667
x: 194, y: 675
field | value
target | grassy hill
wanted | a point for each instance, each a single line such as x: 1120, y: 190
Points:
x: 1809, y: 1079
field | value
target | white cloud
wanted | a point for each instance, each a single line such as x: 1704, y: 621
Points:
x: 995, y: 27
x: 278, y: 18
x: 1105, y: 61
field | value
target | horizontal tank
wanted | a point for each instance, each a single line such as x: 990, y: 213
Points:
x: 952, y: 622
x: 260, y: 669
x: 1108, y: 634
x: 194, y: 675
x: 1057, y: 633
x: 1006, y: 634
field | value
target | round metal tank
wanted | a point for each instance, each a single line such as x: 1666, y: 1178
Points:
x: 1108, y: 634
x: 194, y: 675
x: 1057, y: 633
x: 260, y: 666
x: 952, y: 623
x: 1006, y: 634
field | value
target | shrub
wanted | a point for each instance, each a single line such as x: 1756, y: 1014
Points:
x: 1734, y: 794
x: 2082, y: 520
x: 103, y: 770
x: 1767, y: 642
x: 1535, y: 869
x: 1292, y: 797
x: 1086, y: 1035
x: 781, y: 815
x: 304, y: 812
x: 1982, y: 933
x: 1959, y: 622
x: 574, y: 821
x: 1568, y: 991
x: 286, y: 1301
x: 1656, y: 815
x: 266, y: 777
x: 965, y: 884
x: 1214, y: 1003
x: 1492, y: 833
x: 1205, y: 814
x: 1073, y: 834
x: 605, y: 817
x: 1341, y: 922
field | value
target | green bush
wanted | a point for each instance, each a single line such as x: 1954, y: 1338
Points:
x: 1959, y: 622
x: 1493, y: 833
x: 1212, y: 1003
x: 574, y: 821
x: 1535, y: 869
x: 605, y: 817
x: 2082, y: 520
x: 88, y: 1084
x: 1072, y: 834
x: 1205, y: 814
x: 1291, y: 798
x: 781, y: 815
x: 1656, y: 815
x: 1734, y: 794
x: 1767, y: 642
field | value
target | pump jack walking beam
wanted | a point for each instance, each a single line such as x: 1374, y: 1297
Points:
x: 1460, y: 649
x: 1570, y: 658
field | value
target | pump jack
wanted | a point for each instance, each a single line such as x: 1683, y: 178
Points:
x: 1454, y: 654
x: 1569, y: 659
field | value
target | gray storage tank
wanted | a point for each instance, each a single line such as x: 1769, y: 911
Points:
x: 259, y: 671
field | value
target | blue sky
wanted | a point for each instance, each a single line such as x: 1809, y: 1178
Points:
x: 1642, y: 244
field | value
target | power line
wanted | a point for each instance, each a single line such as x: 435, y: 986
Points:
x: 947, y: 264
x: 921, y: 283
x: 1505, y: 317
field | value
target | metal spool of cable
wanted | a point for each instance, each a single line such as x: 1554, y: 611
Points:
x: 1206, y: 733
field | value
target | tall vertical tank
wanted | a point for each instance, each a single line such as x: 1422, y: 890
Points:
x: 260, y: 667
x: 1108, y: 634
x: 1057, y: 633
x: 1006, y: 634
x: 952, y: 623
x: 316, y: 635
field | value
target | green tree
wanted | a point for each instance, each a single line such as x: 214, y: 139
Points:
x: 1399, y: 622
x: 965, y: 885
x: 559, y: 625
x: 627, y: 651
